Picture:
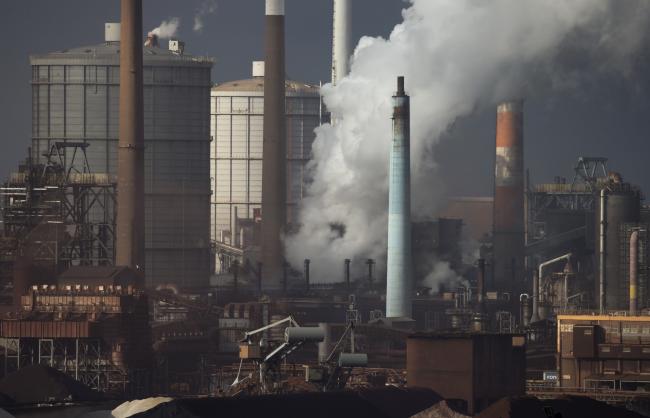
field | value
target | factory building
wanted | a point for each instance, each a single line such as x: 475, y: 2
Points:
x: 76, y: 99
x: 568, y: 237
x: 237, y: 113
x: 603, y: 352
x: 471, y: 371
x: 89, y: 322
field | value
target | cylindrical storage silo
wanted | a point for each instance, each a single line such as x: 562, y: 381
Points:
x: 622, y: 205
x: 237, y: 112
x: 76, y: 99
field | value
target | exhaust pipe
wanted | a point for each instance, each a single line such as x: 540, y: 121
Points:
x: 634, y: 272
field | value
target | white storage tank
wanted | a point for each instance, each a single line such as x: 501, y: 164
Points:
x: 237, y: 112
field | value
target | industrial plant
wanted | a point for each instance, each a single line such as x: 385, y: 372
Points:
x: 176, y: 246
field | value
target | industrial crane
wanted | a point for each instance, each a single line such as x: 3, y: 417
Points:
x: 267, y: 354
x: 333, y: 373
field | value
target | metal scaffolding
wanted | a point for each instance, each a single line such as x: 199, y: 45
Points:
x: 578, y: 196
x: 84, y: 359
x: 60, y: 212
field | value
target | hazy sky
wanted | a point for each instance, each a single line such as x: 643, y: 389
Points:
x: 607, y: 117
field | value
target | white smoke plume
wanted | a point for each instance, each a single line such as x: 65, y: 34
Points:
x: 208, y: 7
x: 167, y: 29
x: 442, y: 275
x: 457, y: 56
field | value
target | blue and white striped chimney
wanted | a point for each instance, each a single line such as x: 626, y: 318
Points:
x: 399, y: 269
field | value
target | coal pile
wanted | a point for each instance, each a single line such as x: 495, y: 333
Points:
x: 564, y: 407
x: 440, y: 410
x: 38, y: 384
x: 371, y: 403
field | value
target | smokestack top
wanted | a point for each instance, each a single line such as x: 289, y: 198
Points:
x: 275, y: 7
x: 152, y: 40
x: 512, y: 106
x: 400, y: 86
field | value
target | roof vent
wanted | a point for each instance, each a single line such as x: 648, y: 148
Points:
x: 176, y: 46
x: 111, y: 32
x: 258, y: 68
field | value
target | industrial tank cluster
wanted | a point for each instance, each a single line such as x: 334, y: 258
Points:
x: 208, y: 181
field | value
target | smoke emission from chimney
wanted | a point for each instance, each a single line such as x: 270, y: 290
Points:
x: 458, y: 56
x: 167, y: 28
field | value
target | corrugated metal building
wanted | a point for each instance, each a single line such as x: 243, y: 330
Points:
x: 76, y: 98
x: 237, y: 113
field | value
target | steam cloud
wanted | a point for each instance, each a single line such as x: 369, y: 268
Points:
x: 458, y: 56
x: 167, y: 29
x: 208, y: 7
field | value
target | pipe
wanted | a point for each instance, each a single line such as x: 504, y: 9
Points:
x: 235, y: 275
x: 234, y: 235
x: 285, y: 277
x: 480, y: 284
x: 634, y: 271
x: 307, y: 262
x: 602, y: 262
x: 342, y: 23
x: 130, y: 160
x: 524, y: 302
x: 274, y: 188
x: 540, y: 276
x: 347, y: 273
x: 399, y: 258
x: 535, y: 316
x: 325, y: 345
x: 553, y: 261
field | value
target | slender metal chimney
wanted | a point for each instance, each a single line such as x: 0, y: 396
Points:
x: 480, y: 285
x: 602, y: 253
x: 509, y: 231
x: 346, y: 273
x: 274, y: 181
x: 634, y: 272
x: 152, y: 40
x: 130, y: 154
x: 535, y: 316
x: 342, y: 23
x: 399, y: 267
x: 307, y: 283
